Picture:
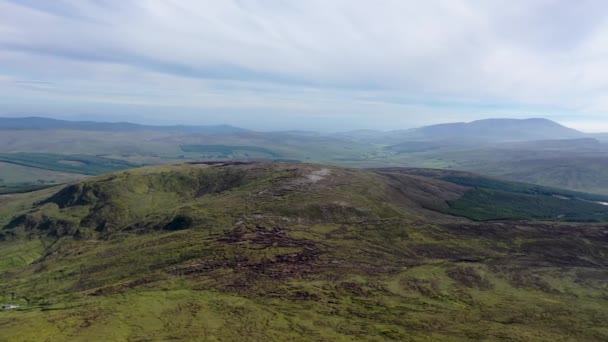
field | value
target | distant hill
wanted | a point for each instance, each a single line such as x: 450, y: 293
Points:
x: 496, y: 130
x: 488, y: 130
x: 40, y: 123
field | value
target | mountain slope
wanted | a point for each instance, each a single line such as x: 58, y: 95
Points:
x: 497, y: 130
x: 261, y: 251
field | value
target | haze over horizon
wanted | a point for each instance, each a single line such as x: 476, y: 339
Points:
x: 44, y: 121
x: 308, y: 65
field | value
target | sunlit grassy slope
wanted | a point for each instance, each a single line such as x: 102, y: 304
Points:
x: 262, y: 252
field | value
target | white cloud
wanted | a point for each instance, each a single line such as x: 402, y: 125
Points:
x: 381, y: 62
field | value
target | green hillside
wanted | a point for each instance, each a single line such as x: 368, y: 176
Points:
x: 277, y: 251
x: 79, y: 164
x: 588, y: 174
x: 574, y: 164
x: 494, y: 199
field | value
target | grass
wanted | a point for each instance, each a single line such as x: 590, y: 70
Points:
x: 429, y: 298
x: 272, y: 253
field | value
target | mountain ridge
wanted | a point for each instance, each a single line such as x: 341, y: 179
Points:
x: 499, y: 129
x: 44, y: 123
x: 41, y: 122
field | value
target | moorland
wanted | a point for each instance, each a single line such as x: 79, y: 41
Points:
x: 295, y: 251
x: 490, y: 230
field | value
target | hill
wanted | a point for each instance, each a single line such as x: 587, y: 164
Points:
x: 497, y: 130
x: 579, y: 173
x: 574, y: 164
x: 277, y: 251
x: 41, y: 123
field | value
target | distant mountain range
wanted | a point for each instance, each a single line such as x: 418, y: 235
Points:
x: 498, y: 130
x: 487, y: 130
x: 533, y: 150
x: 40, y: 123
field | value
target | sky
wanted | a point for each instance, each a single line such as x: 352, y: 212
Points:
x: 313, y: 65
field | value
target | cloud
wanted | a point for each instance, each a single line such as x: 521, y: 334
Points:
x: 381, y: 62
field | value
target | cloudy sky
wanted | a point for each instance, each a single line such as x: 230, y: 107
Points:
x: 314, y: 64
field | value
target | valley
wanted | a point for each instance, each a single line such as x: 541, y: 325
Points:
x: 555, y: 156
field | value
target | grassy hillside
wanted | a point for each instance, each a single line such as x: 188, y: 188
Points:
x: 79, y: 164
x: 289, y: 252
x: 588, y: 174
x: 574, y: 164
x: 11, y: 174
x: 494, y: 199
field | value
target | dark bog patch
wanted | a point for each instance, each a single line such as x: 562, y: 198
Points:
x: 304, y: 295
x: 74, y: 195
x: 221, y: 181
x: 179, y: 222
x: 332, y: 212
x: 50, y: 225
x: 523, y: 279
x: 278, y: 267
x: 470, y: 277
x: 16, y: 222
x: 567, y: 252
x: 426, y: 287
x: 354, y: 289
x: 437, y: 251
